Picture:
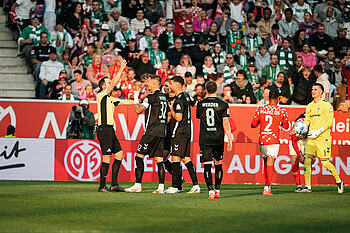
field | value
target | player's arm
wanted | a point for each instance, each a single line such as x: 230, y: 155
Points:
x: 285, y: 122
x: 256, y: 120
x: 117, y: 77
x: 139, y: 108
x: 178, y: 114
x: 227, y: 129
x: 294, y: 140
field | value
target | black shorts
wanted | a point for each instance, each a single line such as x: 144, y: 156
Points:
x: 208, y: 153
x: 167, y: 142
x: 108, y: 140
x: 151, y: 145
x: 180, y: 147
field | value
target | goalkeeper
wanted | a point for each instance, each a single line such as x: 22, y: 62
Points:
x: 319, y: 117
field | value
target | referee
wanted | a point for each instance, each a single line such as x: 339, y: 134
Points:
x: 105, y: 133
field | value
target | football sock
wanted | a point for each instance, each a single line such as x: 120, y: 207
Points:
x: 161, y: 186
x: 168, y: 166
x: 218, y: 175
x: 217, y: 190
x: 208, y: 177
x: 161, y: 172
x: 269, y: 173
x: 307, y: 171
x: 331, y: 168
x: 265, y: 174
x: 296, y: 173
x: 192, y: 170
x: 103, y: 174
x: 115, y: 171
x: 176, y: 178
x: 139, y: 169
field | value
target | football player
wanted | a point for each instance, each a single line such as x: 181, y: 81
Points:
x: 270, y: 117
x: 319, y: 117
x: 213, y: 115
x: 180, y: 112
x: 156, y: 111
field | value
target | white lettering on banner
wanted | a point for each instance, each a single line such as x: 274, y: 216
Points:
x: 82, y: 160
x: 284, y: 168
x: 9, y: 110
x: 27, y: 159
x: 125, y: 129
x: 199, y: 167
x: 233, y: 167
x: 340, y: 164
x: 257, y: 164
x: 148, y: 161
x: 340, y: 126
x: 51, y: 119
x: 126, y: 162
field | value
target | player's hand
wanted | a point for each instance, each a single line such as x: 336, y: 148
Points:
x: 315, y: 133
x: 122, y: 62
x: 229, y: 145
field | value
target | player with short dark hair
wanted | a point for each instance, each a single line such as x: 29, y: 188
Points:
x: 319, y: 117
x: 105, y: 133
x: 213, y: 115
x: 180, y: 112
x: 341, y: 105
x: 270, y: 118
x: 156, y: 110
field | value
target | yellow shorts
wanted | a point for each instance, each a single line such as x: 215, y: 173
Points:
x: 320, y: 148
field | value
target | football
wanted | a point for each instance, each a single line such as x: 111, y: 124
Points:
x: 300, y: 129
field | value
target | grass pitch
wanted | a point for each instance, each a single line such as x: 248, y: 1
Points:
x: 32, y: 206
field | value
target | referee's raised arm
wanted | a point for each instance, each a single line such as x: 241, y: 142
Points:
x: 117, y: 77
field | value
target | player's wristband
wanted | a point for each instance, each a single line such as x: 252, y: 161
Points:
x: 136, y: 97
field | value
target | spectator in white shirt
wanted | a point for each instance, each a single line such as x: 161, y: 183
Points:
x: 237, y: 12
x: 23, y: 8
x: 49, y: 71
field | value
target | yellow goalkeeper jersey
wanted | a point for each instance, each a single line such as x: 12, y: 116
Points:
x: 320, y: 115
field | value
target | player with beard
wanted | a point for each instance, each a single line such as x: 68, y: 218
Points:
x: 213, y: 115
x: 156, y: 110
x: 180, y: 112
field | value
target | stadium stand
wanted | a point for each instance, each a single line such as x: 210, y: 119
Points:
x: 16, y: 82
x: 242, y: 31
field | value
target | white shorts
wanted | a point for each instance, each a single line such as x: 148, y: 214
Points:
x: 269, y: 150
x: 301, y: 145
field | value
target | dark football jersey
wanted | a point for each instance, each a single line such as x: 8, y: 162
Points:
x: 156, y: 114
x: 211, y: 112
x: 182, y: 128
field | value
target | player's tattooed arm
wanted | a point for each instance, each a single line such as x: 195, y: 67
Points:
x: 227, y: 129
x: 139, y: 108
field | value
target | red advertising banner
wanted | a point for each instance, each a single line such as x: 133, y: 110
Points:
x: 49, y: 119
x: 81, y: 159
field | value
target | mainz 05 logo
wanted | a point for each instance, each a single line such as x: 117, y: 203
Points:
x: 82, y: 160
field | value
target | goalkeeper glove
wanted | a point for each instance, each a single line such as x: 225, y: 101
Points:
x: 315, y: 133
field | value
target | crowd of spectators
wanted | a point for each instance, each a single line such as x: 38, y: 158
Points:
x: 248, y: 47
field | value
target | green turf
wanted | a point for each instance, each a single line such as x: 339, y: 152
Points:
x: 28, y: 206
